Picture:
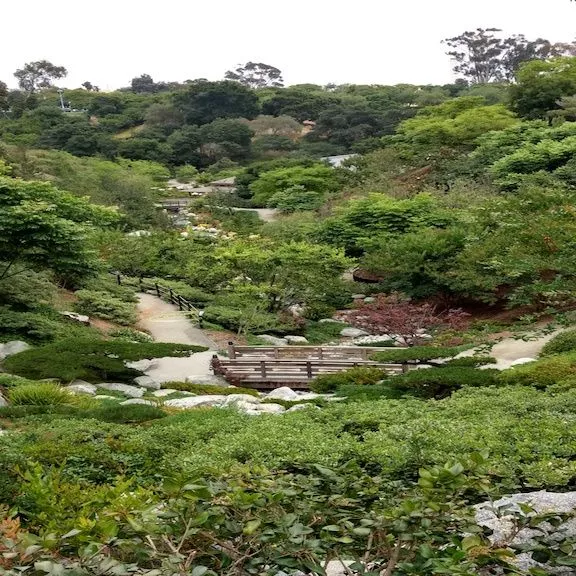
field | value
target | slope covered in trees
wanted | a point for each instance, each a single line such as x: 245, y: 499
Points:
x: 458, y: 204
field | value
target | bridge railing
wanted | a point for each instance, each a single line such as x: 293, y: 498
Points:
x: 161, y: 291
x: 266, y: 373
x: 302, y: 352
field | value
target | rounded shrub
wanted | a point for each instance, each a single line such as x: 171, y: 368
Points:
x: 563, y: 342
x: 359, y: 376
x: 440, y: 382
x: 543, y: 373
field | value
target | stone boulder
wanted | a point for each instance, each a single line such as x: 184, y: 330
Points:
x: 271, y: 408
x: 3, y: 401
x: 126, y: 389
x: 82, y: 387
x: 353, y: 333
x: 13, y: 347
x: 81, y: 318
x: 212, y: 379
x: 542, y: 502
x: 283, y: 393
x: 296, y: 339
x: 375, y: 340
x: 142, y: 365
x: 167, y: 391
x: 274, y: 340
x: 136, y: 401
x: 147, y: 382
x: 196, y: 401
x: 328, y: 321
x: 245, y: 398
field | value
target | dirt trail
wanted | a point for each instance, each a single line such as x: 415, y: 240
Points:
x: 166, y: 323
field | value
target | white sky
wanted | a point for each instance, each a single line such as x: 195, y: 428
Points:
x: 108, y: 42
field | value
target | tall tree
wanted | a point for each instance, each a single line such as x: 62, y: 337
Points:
x: 43, y: 227
x: 144, y: 84
x: 37, y: 75
x: 90, y: 87
x: 3, y: 96
x: 483, y: 56
x: 256, y: 75
x: 202, y: 102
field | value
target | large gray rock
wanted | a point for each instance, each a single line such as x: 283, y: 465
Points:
x: 274, y: 340
x: 82, y: 387
x: 196, y: 401
x: 81, y: 318
x: 328, y: 321
x: 246, y: 398
x: 206, y: 379
x: 142, y: 365
x: 353, y: 333
x: 296, y: 339
x: 136, y: 401
x: 271, y: 408
x: 12, y: 347
x: 374, y: 339
x: 147, y: 382
x: 542, y: 502
x: 132, y: 391
x: 283, y: 393
x: 168, y: 391
x: 3, y: 401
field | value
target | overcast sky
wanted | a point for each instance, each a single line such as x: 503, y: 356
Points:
x: 108, y: 42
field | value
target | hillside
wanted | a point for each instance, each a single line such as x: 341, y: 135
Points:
x: 365, y: 397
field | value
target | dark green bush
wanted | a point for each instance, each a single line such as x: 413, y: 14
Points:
x: 208, y: 388
x: 441, y: 382
x: 130, y: 335
x: 236, y: 318
x: 90, y: 359
x: 104, y: 305
x: 543, y: 373
x: 130, y: 414
x: 108, y: 283
x: 11, y: 380
x: 322, y: 332
x: 470, y: 362
x: 369, y: 393
x: 359, y: 376
x: 416, y: 354
x: 563, y: 342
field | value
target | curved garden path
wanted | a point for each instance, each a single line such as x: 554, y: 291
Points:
x: 165, y: 323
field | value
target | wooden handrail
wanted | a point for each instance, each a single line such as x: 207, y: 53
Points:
x: 173, y: 297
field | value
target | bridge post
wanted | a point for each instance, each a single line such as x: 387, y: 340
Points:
x: 263, y: 368
x: 118, y: 278
x: 171, y: 296
x: 309, y: 370
x: 231, y: 351
x: 179, y: 300
x: 157, y: 289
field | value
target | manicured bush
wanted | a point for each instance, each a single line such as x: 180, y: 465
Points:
x: 359, y: 376
x: 131, y: 414
x: 11, y: 381
x: 440, y: 382
x: 236, y: 318
x: 322, y: 332
x: 470, y: 362
x: 130, y: 335
x: 563, y: 342
x: 415, y: 354
x: 200, y: 389
x: 542, y: 373
x: 105, y: 306
x: 90, y: 359
x: 40, y: 394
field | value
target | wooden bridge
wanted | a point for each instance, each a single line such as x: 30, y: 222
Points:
x: 269, y: 367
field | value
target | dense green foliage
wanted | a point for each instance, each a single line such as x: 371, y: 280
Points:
x: 92, y: 360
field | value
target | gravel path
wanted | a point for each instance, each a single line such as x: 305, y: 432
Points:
x: 166, y: 323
